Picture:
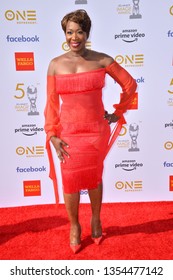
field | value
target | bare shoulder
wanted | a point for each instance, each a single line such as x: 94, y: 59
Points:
x: 55, y: 63
x: 106, y: 59
x: 103, y: 58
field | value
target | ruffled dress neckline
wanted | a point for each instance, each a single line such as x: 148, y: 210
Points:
x: 81, y: 73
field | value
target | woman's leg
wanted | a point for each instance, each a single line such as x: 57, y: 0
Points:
x: 96, y: 203
x: 72, y: 207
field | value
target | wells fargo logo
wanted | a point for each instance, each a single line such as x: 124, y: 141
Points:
x: 24, y: 61
x: 34, y: 151
x: 21, y: 17
x: 133, y: 60
x: 171, y: 183
x: 129, y: 186
x: 32, y: 188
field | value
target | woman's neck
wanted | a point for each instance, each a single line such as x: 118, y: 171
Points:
x: 82, y: 53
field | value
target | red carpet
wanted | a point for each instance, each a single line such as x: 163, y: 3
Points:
x: 135, y: 231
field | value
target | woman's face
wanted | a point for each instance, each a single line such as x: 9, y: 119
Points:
x: 75, y: 36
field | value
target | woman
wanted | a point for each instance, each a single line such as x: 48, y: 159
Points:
x: 79, y: 129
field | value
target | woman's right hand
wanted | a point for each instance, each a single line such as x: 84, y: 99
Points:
x: 59, y: 145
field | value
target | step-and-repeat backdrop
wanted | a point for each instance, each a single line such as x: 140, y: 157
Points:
x: 139, y: 36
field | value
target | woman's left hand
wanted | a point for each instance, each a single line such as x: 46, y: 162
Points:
x: 111, y: 118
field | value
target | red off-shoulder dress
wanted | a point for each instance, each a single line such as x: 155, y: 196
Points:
x: 79, y: 122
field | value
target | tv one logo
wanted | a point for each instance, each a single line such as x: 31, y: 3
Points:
x: 133, y: 60
x: 171, y: 10
x: 168, y: 145
x: 66, y: 48
x: 129, y: 186
x: 171, y: 85
x: 25, y: 16
x: 34, y: 151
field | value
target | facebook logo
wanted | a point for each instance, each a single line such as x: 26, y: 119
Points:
x: 170, y: 33
x: 11, y: 39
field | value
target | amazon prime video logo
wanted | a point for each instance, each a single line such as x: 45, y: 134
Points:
x: 128, y: 165
x: 129, y: 35
x: 29, y: 129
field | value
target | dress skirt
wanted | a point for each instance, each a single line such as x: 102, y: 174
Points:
x: 84, y: 168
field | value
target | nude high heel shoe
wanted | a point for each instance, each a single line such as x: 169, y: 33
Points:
x: 75, y: 248
x: 97, y: 240
x: 97, y: 235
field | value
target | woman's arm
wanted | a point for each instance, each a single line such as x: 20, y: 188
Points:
x: 128, y: 85
x: 52, y: 125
